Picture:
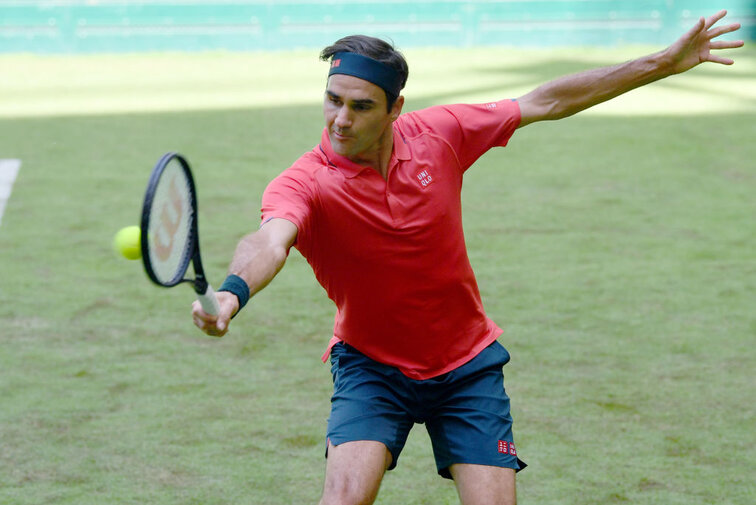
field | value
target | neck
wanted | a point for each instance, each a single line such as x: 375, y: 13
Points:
x: 379, y: 158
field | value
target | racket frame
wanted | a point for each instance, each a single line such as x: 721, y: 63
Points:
x: 191, y: 253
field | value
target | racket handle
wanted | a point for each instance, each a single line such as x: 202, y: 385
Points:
x: 209, y: 302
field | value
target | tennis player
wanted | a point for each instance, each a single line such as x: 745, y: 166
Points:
x: 375, y: 210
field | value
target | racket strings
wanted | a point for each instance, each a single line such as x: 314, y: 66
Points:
x: 170, y: 225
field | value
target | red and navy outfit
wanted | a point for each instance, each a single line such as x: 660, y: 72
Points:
x: 390, y: 252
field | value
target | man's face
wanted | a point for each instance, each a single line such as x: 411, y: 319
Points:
x: 356, y: 117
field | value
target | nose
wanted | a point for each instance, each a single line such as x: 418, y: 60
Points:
x: 343, y: 119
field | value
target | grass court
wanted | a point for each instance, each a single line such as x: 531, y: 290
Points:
x: 616, y: 249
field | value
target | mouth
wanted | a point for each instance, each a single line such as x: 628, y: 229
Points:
x: 339, y: 135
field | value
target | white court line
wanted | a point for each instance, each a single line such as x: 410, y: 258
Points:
x: 8, y: 172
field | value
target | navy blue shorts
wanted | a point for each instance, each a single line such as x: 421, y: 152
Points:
x: 466, y: 411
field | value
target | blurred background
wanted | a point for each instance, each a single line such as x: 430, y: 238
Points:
x: 242, y: 25
x: 616, y: 248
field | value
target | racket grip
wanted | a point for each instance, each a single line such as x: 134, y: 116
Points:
x: 209, y: 302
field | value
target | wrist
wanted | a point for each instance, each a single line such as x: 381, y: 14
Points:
x: 238, y: 287
x: 665, y: 62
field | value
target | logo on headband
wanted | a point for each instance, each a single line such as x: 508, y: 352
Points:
x: 368, y: 69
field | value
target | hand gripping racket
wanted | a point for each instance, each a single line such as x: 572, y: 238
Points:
x: 169, y: 237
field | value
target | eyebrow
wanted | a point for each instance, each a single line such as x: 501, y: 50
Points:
x: 360, y: 101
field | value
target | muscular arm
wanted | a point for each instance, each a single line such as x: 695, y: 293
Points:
x: 569, y: 95
x: 258, y: 258
x: 261, y: 255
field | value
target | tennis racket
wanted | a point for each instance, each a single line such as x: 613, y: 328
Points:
x: 169, y: 237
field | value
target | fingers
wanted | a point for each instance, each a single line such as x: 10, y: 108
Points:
x: 721, y: 30
x: 713, y: 19
x: 705, y: 25
x: 726, y: 44
x: 215, y: 326
x: 722, y: 44
x: 696, y: 45
x: 694, y: 32
x: 719, y: 59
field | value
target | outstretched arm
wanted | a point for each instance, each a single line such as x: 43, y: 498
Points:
x: 569, y: 95
x: 258, y: 259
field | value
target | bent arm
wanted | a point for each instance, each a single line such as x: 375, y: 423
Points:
x: 569, y: 95
x: 258, y: 259
x: 261, y: 255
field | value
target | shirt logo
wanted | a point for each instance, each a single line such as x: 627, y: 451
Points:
x: 335, y: 63
x: 507, y: 448
x: 424, y: 178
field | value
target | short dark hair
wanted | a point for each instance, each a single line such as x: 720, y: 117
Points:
x: 375, y: 48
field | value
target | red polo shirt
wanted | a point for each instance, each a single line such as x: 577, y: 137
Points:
x: 390, y: 252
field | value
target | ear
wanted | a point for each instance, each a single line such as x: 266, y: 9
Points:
x: 396, y: 109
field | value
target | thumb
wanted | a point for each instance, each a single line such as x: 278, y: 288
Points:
x: 222, y: 322
x: 691, y: 34
x: 224, y: 317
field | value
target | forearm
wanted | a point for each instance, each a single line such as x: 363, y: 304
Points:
x: 257, y: 260
x: 571, y: 94
x: 261, y: 255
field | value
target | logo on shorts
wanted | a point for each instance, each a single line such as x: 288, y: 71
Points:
x: 507, y: 448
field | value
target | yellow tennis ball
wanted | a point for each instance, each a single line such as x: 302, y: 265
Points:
x: 128, y: 242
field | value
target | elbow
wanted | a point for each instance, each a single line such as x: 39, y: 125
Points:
x: 278, y: 254
x: 555, y: 109
x: 537, y: 107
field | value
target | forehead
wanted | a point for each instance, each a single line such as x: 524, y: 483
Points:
x: 349, y: 87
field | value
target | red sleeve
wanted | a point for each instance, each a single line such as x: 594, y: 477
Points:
x: 289, y: 196
x: 470, y: 129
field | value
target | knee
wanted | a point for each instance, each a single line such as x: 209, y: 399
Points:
x: 354, y: 472
x: 347, y: 492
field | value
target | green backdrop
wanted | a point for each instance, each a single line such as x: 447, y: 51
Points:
x: 117, y: 26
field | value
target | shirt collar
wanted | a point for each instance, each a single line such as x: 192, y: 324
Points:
x: 351, y: 169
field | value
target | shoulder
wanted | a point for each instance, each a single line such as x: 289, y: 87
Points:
x: 487, y: 112
x: 307, y: 164
x: 298, y: 179
x: 421, y: 121
x: 303, y: 169
x: 444, y: 119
